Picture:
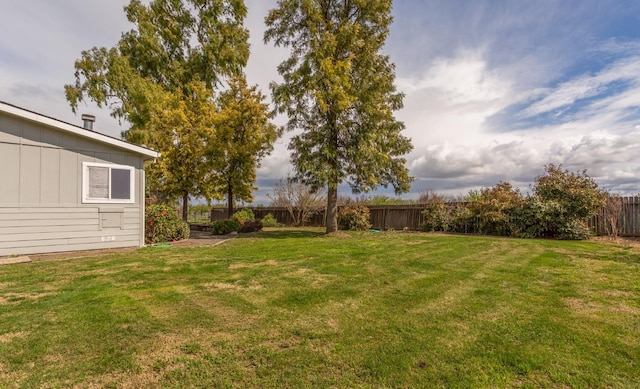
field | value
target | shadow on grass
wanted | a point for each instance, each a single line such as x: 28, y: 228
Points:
x: 287, y: 234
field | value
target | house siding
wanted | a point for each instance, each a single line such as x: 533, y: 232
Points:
x: 41, y: 207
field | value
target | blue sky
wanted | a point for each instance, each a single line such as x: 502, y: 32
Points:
x: 494, y: 89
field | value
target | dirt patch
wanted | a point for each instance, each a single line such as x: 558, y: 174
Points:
x: 18, y: 298
x: 622, y: 241
x: 8, y: 337
x: 253, y: 285
x: 269, y: 262
x: 203, y: 238
x: 196, y: 239
x: 594, y: 309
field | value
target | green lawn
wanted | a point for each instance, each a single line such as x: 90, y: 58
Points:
x: 295, y: 308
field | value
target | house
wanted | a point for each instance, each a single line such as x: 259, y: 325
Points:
x: 65, y: 187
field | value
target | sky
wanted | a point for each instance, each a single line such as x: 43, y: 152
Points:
x: 494, y: 89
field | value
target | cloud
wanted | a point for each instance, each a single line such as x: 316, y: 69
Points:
x: 621, y: 74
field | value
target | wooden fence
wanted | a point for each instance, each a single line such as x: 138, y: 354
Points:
x: 392, y: 217
x: 628, y: 220
x: 279, y: 213
x: 399, y: 217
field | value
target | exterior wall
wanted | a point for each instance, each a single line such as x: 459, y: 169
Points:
x: 41, y: 207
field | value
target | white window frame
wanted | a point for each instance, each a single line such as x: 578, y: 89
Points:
x: 85, y: 184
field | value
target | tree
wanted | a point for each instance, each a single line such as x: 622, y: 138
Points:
x: 339, y: 90
x: 244, y: 135
x: 182, y: 127
x: 178, y: 51
x: 299, y: 200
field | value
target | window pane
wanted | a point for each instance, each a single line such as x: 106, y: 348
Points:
x: 121, y: 184
x: 98, y: 182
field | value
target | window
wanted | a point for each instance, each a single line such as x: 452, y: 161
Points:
x: 105, y: 183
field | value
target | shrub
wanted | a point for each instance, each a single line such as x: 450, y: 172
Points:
x: 243, y: 215
x: 436, y: 216
x: 577, y: 194
x: 223, y: 227
x: 495, y: 207
x: 354, y: 218
x: 462, y: 219
x: 251, y: 226
x: 574, y: 229
x: 269, y: 221
x: 528, y: 221
x: 162, y: 224
x: 568, y: 198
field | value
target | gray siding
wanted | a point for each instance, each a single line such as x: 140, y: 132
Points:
x: 30, y: 230
x: 41, y: 207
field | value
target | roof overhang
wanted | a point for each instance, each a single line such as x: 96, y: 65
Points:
x: 76, y: 130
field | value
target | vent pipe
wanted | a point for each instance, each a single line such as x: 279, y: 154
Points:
x: 87, y: 121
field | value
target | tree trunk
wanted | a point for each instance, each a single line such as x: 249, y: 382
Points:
x: 185, y: 206
x: 332, y: 209
x: 229, y: 200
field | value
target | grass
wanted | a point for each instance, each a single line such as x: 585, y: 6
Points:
x: 295, y: 308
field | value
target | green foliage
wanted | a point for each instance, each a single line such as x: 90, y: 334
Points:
x: 530, y: 220
x: 172, y: 43
x: 180, y: 128
x: 223, y: 227
x: 436, y: 216
x: 162, y: 77
x: 558, y: 208
x: 244, y: 136
x: 354, y: 218
x: 574, y: 229
x: 570, y: 198
x: 383, y: 200
x: 162, y: 224
x: 576, y: 194
x: 269, y: 221
x: 244, y: 215
x: 461, y: 219
x: 494, y: 207
x: 200, y: 208
x: 339, y: 90
x: 251, y: 226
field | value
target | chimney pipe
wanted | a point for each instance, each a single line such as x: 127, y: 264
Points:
x: 87, y: 121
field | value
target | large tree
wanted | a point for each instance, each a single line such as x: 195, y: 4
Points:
x: 182, y: 126
x: 338, y: 89
x: 244, y: 135
x: 178, y: 51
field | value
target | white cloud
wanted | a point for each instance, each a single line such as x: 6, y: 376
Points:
x: 585, y: 86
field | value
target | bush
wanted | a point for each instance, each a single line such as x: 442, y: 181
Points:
x: 223, y: 227
x: 577, y: 194
x: 162, y: 224
x: 243, y: 215
x: 495, y: 208
x: 436, y: 216
x: 269, y: 221
x: 462, y: 220
x: 531, y: 220
x: 251, y: 226
x: 574, y: 230
x: 354, y: 218
x: 568, y: 198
